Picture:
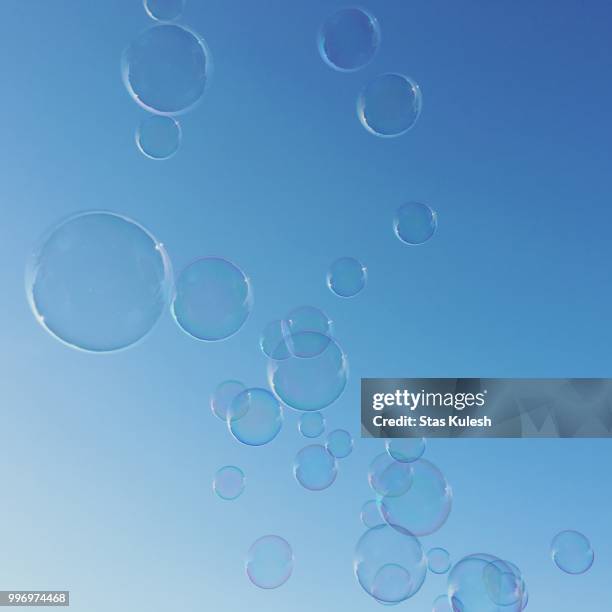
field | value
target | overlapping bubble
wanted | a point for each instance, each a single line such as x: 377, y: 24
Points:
x: 229, y: 482
x: 572, y: 552
x: 347, y: 277
x: 339, y: 443
x: 415, y: 223
x: 98, y: 281
x: 388, y: 477
x: 315, y: 468
x: 164, y: 10
x: 269, y: 562
x: 370, y: 514
x: 438, y: 560
x: 405, y: 450
x: 307, y: 319
x: 442, y: 604
x: 158, y: 137
x: 312, y: 424
x: 255, y: 417
x: 223, y: 396
x: 272, y: 341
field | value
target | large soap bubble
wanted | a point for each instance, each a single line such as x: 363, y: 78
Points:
x: 158, y: 137
x: 346, y: 277
x: 349, y: 39
x: 390, y: 566
x: 166, y: 69
x: 255, y: 417
x: 98, y: 281
x: 424, y: 507
x: 389, y: 105
x: 229, y: 482
x: 314, y: 376
x: 315, y: 468
x: 572, y: 552
x: 312, y: 424
x: 164, y: 10
x: 415, y: 223
x: 213, y: 299
x: 405, y: 450
x: 269, y: 562
x: 388, y: 477
x: 223, y: 396
x: 339, y: 443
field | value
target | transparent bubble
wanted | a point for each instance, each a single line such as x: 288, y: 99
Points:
x: 571, y: 551
x: 389, y: 105
x: 306, y: 319
x: 389, y: 566
x: 166, y: 69
x: 339, y: 443
x: 346, y: 277
x: 415, y: 223
x: 223, y: 396
x: 312, y: 424
x: 405, y: 450
x: 425, y: 506
x: 438, y: 560
x: 315, y: 468
x: 229, y: 482
x: 441, y: 604
x: 504, y: 583
x: 255, y: 417
x: 269, y: 562
x: 370, y: 514
x: 164, y: 10
x: 98, y: 281
x: 213, y: 299
x: 272, y: 341
x: 388, y: 477
x: 312, y: 381
x: 349, y: 39
x: 158, y: 137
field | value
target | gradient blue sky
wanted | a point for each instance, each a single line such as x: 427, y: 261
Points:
x: 106, y: 461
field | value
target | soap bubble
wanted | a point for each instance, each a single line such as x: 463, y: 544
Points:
x: 223, y: 396
x: 504, y: 583
x: 389, y: 566
x: 315, y: 468
x: 370, y: 514
x: 571, y: 551
x: 164, y: 10
x: 213, y: 299
x: 272, y: 341
x: 313, y: 377
x: 269, y: 562
x: 255, y: 417
x: 389, y: 105
x: 339, y: 443
x: 229, y: 482
x: 346, y: 277
x: 441, y: 604
x: 415, y: 223
x: 388, y: 477
x: 306, y: 319
x: 166, y: 69
x: 158, y: 137
x: 438, y: 560
x: 405, y: 450
x: 312, y: 424
x: 349, y: 39
x: 424, y: 507
x: 98, y: 281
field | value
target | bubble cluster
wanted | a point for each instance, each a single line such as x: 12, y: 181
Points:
x: 164, y: 10
x: 415, y: 223
x: 389, y: 105
x: 272, y: 341
x: 438, y: 560
x: 312, y: 424
x: 98, y: 281
x: 212, y: 300
x: 158, y: 137
x: 405, y: 450
x: 269, y: 562
x: 390, y: 566
x: 339, y: 443
x: 370, y: 514
x: 229, y: 482
x: 388, y: 477
x: 255, y: 417
x: 223, y: 396
x: 572, y: 552
x: 315, y: 468
x: 346, y: 277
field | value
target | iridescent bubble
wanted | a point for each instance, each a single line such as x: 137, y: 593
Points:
x: 415, y: 223
x: 166, y: 69
x: 370, y: 514
x: 269, y: 562
x: 315, y: 468
x: 346, y: 277
x: 98, y: 281
x: 312, y: 424
x: 441, y: 604
x: 339, y: 443
x: 389, y: 566
x: 229, y: 482
x: 223, y: 396
x: 572, y: 552
x: 438, y: 560
x: 272, y: 341
x: 313, y: 377
x: 425, y: 506
x: 164, y: 10
x: 389, y: 105
x: 349, y: 39
x: 158, y: 137
x: 405, y: 450
x: 255, y: 417
x: 388, y: 477
x: 212, y: 300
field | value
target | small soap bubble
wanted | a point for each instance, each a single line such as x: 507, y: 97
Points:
x: 229, y: 482
x: 272, y: 341
x: 158, y: 137
x: 572, y: 552
x: 405, y: 450
x: 370, y: 514
x: 164, y: 10
x: 312, y: 424
x: 442, y: 604
x: 339, y: 443
x: 223, y: 396
x: 255, y: 417
x: 307, y: 319
x: 388, y: 477
x: 346, y: 277
x: 315, y: 468
x: 438, y: 560
x: 415, y: 223
x: 269, y: 562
